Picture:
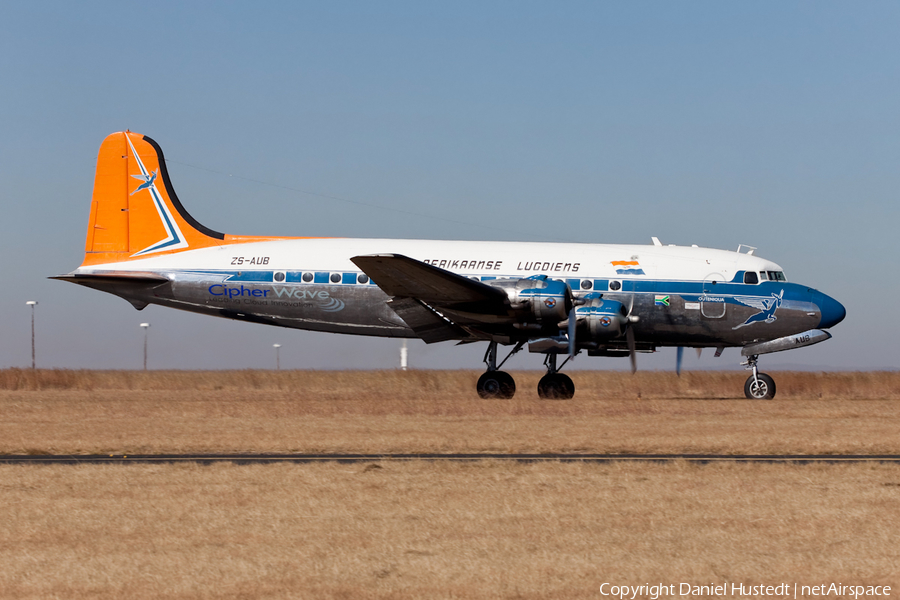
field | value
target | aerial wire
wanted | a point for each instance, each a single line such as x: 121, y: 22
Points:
x: 366, y: 204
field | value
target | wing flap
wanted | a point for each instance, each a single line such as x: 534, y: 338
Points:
x: 429, y: 325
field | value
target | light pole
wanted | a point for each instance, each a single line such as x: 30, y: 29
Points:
x: 277, y: 356
x: 32, y: 304
x: 145, y: 327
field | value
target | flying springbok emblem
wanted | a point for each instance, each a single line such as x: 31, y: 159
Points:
x: 767, y: 306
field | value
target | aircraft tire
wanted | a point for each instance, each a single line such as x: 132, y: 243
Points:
x: 764, y: 391
x: 496, y: 384
x: 556, y: 386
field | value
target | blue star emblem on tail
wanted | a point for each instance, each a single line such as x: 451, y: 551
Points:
x: 767, y: 306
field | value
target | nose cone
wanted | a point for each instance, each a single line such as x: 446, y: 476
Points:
x: 833, y: 312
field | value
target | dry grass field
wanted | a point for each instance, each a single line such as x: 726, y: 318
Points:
x: 432, y: 530
x: 126, y: 412
x: 425, y: 530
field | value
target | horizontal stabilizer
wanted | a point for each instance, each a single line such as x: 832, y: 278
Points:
x: 123, y: 276
x: 130, y: 285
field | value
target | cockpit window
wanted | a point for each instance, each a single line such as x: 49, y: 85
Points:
x: 751, y: 277
x: 776, y: 276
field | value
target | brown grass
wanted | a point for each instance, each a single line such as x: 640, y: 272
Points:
x: 869, y: 385
x: 423, y: 530
x: 162, y: 412
x: 481, y: 530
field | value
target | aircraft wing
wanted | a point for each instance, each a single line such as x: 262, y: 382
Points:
x: 419, y: 292
x: 404, y: 277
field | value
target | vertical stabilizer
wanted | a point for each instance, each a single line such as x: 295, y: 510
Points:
x: 134, y: 210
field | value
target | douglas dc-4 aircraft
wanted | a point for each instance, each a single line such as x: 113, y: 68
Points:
x: 559, y: 299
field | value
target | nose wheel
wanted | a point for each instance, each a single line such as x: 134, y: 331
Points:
x: 555, y: 385
x: 758, y: 386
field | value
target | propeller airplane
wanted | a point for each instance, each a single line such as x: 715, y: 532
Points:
x: 558, y: 299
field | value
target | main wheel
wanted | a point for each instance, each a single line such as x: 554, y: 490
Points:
x: 761, y: 389
x: 496, y: 384
x: 556, y: 386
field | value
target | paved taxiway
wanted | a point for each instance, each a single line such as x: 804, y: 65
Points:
x: 364, y: 458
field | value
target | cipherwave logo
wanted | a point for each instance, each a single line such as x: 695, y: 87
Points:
x: 321, y: 297
x: 298, y: 293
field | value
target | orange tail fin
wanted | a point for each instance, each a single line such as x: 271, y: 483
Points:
x: 134, y: 210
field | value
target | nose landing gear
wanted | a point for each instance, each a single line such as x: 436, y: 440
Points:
x: 555, y: 385
x: 758, y: 386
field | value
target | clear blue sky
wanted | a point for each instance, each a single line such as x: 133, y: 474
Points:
x: 773, y: 124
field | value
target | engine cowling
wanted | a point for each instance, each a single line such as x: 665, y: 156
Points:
x: 539, y: 299
x: 603, y: 319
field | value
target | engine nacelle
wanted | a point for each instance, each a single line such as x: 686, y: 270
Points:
x: 538, y: 299
x: 603, y: 319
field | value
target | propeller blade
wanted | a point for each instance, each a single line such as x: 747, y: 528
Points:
x: 572, y: 324
x: 678, y: 358
x: 699, y: 351
x: 629, y: 336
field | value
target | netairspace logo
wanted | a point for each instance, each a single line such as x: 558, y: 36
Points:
x: 736, y: 590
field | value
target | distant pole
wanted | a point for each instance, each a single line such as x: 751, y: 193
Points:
x: 145, y: 327
x: 404, y: 355
x: 32, y: 304
x: 277, y: 356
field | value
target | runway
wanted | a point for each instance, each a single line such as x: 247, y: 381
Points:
x: 246, y: 459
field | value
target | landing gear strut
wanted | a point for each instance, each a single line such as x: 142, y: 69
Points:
x: 555, y: 385
x: 758, y: 386
x: 495, y: 383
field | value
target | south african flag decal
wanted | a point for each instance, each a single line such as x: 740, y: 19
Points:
x: 661, y: 300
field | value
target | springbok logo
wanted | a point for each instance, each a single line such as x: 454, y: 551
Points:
x: 768, y: 306
x: 148, y: 181
x: 174, y: 238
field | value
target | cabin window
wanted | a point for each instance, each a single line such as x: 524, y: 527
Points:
x: 751, y: 277
x: 587, y: 284
x: 615, y: 285
x: 776, y: 276
x: 279, y: 276
x: 307, y: 277
x: 362, y: 278
x: 335, y: 278
x: 762, y: 276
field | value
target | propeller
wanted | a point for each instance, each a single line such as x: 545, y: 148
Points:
x: 629, y: 337
x: 679, y: 356
x: 572, y: 325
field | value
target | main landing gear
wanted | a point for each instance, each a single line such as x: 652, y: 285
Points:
x: 555, y: 385
x: 758, y: 386
x: 495, y: 383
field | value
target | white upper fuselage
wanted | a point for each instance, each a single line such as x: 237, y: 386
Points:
x: 498, y: 259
